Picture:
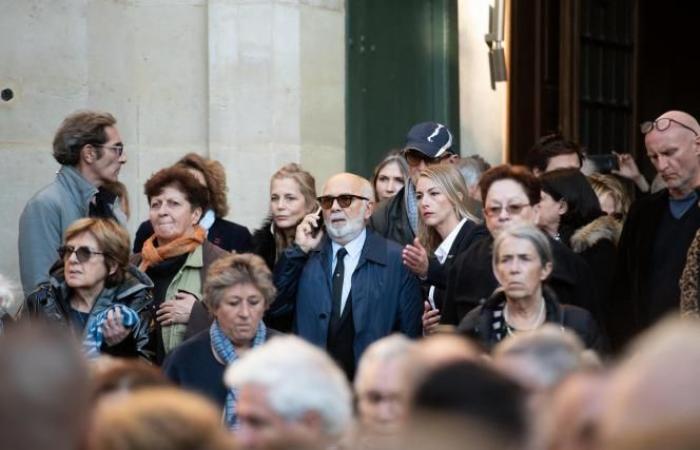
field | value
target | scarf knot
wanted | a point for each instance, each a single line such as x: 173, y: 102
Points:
x: 152, y: 255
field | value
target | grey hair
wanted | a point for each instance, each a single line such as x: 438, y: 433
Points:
x: 10, y: 298
x: 299, y: 378
x: 531, y: 233
x: 390, y: 348
x: 234, y: 269
x: 471, y: 168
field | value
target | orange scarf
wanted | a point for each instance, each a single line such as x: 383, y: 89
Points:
x: 150, y: 254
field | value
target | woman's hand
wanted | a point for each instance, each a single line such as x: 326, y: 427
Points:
x: 305, y: 237
x: 113, y: 329
x: 431, y: 319
x: 416, y: 258
x: 628, y: 169
x: 176, y: 310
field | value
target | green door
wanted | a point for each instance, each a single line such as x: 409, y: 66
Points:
x: 402, y: 69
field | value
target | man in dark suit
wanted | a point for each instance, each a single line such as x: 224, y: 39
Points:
x: 348, y: 286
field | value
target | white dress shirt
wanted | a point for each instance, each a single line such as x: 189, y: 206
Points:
x: 354, y: 249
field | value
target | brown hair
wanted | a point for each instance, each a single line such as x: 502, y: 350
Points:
x: 395, y: 156
x: 215, y: 177
x: 519, y: 174
x: 307, y: 186
x: 550, y: 146
x: 232, y: 270
x: 452, y: 185
x: 113, y: 240
x: 78, y: 130
x: 182, y: 180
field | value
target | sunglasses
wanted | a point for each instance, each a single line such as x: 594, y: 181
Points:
x: 344, y: 200
x: 512, y: 210
x: 663, y: 124
x: 414, y: 158
x: 82, y: 253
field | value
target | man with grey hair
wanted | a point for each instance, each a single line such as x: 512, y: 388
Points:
x: 290, y: 395
x: 350, y: 288
x: 90, y: 151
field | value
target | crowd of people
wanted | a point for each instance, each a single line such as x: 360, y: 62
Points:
x: 441, y: 303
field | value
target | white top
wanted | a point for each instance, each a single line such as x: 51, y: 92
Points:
x: 441, y: 254
x: 354, y: 249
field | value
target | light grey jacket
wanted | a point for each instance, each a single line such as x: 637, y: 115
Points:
x: 44, y: 219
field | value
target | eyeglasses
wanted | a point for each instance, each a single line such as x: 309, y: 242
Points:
x: 82, y: 253
x: 414, y: 158
x: 118, y: 149
x: 662, y: 124
x: 344, y: 200
x: 512, y: 210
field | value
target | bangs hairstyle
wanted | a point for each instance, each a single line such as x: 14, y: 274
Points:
x: 112, y: 239
x: 451, y: 183
x: 78, y: 130
x: 520, y: 174
x: 549, y: 146
x: 182, y: 180
x: 215, y: 177
x: 530, y: 233
x: 232, y: 270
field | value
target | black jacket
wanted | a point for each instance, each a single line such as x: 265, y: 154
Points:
x: 390, y: 219
x: 226, y: 235
x: 470, y: 280
x: 51, y: 302
x: 478, y: 323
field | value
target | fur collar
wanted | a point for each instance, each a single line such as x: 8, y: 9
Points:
x: 604, y: 227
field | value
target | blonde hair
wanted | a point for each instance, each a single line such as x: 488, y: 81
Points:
x: 608, y: 184
x: 113, y: 240
x: 307, y: 187
x: 452, y: 185
x: 232, y: 270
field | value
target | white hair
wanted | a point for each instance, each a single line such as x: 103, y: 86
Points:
x: 298, y: 378
x: 10, y: 298
x: 396, y: 346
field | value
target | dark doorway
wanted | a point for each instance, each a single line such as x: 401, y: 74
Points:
x: 401, y: 69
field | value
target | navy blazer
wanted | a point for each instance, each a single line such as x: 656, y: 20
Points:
x: 386, y: 296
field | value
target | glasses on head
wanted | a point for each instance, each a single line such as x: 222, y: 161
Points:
x: 118, y: 149
x: 512, y: 209
x: 663, y: 124
x: 414, y: 158
x: 344, y: 200
x: 82, y: 253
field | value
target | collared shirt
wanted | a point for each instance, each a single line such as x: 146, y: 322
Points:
x: 443, y: 251
x: 351, y: 260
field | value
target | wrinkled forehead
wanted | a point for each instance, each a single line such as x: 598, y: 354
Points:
x: 343, y: 185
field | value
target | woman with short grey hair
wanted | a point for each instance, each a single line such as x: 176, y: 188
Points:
x: 237, y: 292
x: 522, y: 261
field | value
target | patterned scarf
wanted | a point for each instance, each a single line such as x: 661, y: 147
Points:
x: 151, y: 255
x: 226, y: 352
x: 92, y: 342
x: 412, y: 206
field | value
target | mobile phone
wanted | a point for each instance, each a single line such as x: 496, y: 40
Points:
x: 319, y: 223
x: 604, y: 163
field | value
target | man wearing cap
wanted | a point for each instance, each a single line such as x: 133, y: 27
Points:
x: 658, y: 230
x: 426, y: 143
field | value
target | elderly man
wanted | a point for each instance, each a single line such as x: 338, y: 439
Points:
x: 90, y: 151
x: 290, y: 395
x: 350, y: 288
x: 658, y: 230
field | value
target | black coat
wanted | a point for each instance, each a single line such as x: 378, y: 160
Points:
x: 224, y: 234
x: 470, y: 280
x: 478, y: 323
x: 390, y: 219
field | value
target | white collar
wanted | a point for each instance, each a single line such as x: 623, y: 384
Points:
x: 444, y: 249
x: 353, y: 247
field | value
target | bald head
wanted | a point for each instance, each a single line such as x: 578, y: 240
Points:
x: 353, y: 184
x: 682, y: 117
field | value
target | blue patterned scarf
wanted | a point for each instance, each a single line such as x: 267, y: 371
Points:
x: 92, y: 342
x: 226, y: 352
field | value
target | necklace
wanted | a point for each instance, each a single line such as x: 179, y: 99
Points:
x: 510, y: 328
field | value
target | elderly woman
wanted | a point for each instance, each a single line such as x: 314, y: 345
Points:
x: 522, y: 261
x: 94, y: 290
x: 446, y: 228
x: 238, y: 290
x: 389, y: 176
x: 225, y: 234
x: 177, y: 255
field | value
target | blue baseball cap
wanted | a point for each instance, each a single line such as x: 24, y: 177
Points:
x: 430, y: 138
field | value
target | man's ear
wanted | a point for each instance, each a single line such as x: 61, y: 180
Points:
x: 88, y: 154
x: 369, y: 209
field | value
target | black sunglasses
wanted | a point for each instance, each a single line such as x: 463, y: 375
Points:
x: 82, y: 253
x: 344, y: 200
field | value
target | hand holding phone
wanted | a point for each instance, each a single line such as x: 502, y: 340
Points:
x: 319, y: 223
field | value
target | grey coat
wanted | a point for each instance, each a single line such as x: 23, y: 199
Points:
x: 44, y: 219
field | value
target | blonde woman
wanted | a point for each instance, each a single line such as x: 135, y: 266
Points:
x: 446, y: 228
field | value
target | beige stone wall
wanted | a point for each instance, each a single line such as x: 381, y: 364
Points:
x: 254, y: 83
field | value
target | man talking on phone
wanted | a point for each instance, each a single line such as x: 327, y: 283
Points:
x: 346, y: 284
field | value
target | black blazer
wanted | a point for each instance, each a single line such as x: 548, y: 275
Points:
x: 224, y: 234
